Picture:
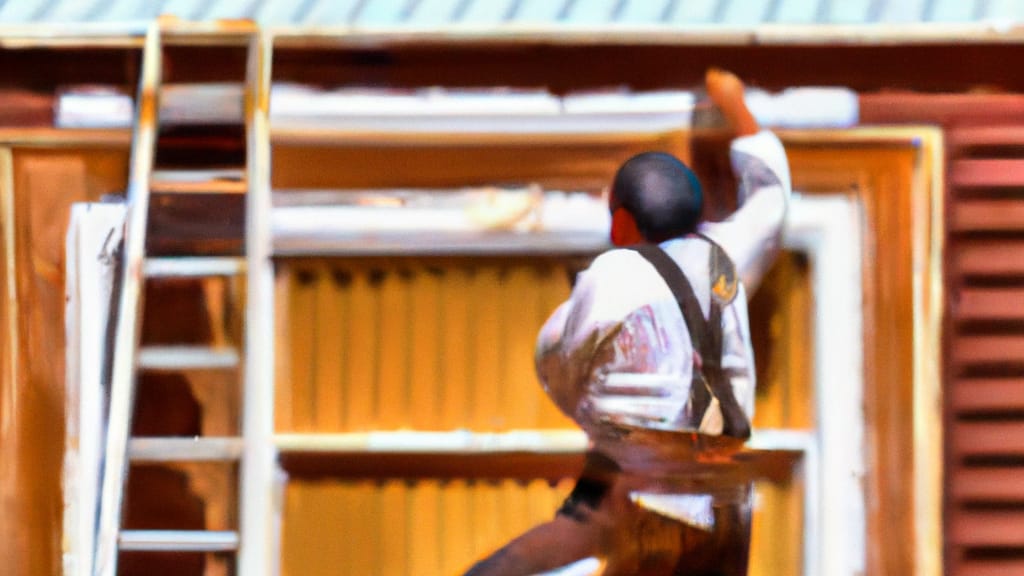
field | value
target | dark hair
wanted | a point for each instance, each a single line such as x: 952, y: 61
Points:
x: 663, y: 195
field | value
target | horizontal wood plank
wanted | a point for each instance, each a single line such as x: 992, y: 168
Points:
x: 521, y: 465
x: 995, y: 567
x: 989, y: 304
x: 987, y: 394
x: 897, y: 107
x: 988, y: 484
x: 999, y: 528
x: 995, y: 438
x: 1001, y: 349
x: 988, y: 215
x: 999, y: 173
x: 989, y: 257
x: 990, y: 135
x: 771, y: 465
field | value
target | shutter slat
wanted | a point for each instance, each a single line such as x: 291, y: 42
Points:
x: 995, y: 173
x: 987, y: 528
x: 990, y: 304
x: 1002, y: 567
x: 995, y: 135
x: 995, y: 484
x: 991, y: 394
x: 994, y: 438
x: 984, y: 524
x: 898, y: 107
x: 989, y: 257
x: 980, y: 350
x: 988, y: 216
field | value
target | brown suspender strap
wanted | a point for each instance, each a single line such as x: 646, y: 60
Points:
x: 706, y: 336
x: 690, y: 307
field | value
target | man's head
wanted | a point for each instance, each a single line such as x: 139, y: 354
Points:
x: 653, y: 198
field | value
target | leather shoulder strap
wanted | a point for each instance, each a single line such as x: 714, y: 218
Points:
x: 682, y: 290
x: 706, y: 336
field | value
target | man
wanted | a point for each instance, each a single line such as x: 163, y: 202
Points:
x: 651, y: 356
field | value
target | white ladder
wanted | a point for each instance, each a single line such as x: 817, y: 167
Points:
x: 255, y: 539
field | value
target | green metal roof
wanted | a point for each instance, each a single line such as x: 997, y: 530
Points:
x: 426, y: 13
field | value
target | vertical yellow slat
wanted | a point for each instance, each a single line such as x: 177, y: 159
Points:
x: 455, y: 360
x: 426, y: 328
x: 488, y: 357
x: 312, y: 511
x: 314, y: 529
x: 554, y: 284
x: 342, y: 279
x: 395, y: 518
x: 456, y: 527
x: 335, y: 529
x: 393, y: 340
x: 295, y: 559
x: 283, y: 375
x: 793, y: 509
x: 520, y: 301
x: 801, y: 390
x: 777, y: 532
x: 424, y: 548
x: 487, y: 517
x: 516, y: 507
x: 361, y: 382
x: 363, y: 526
x: 304, y: 349
x: 761, y: 554
x: 773, y: 369
x: 330, y: 352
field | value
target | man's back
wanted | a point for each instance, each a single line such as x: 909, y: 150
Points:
x: 619, y: 351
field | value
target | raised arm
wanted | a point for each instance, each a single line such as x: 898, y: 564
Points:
x: 726, y: 91
x: 751, y: 235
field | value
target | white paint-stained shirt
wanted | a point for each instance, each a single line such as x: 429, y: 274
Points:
x: 618, y: 350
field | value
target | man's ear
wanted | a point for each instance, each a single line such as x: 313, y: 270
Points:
x: 624, y: 231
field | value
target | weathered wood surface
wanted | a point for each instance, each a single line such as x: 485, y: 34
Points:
x: 984, y: 341
x: 44, y: 183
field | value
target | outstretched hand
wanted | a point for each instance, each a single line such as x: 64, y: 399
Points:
x: 726, y: 91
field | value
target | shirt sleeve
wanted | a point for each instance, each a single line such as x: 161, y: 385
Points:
x: 751, y: 235
x: 738, y: 353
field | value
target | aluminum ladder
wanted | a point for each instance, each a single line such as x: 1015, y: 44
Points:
x: 254, y: 540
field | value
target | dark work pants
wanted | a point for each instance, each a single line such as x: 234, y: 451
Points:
x: 638, y: 541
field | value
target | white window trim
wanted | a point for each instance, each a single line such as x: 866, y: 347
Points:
x: 827, y: 230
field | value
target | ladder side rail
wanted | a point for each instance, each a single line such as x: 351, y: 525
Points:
x: 259, y: 513
x: 128, y: 320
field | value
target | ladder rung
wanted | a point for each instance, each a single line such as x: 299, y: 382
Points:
x: 193, y: 267
x: 208, y: 33
x: 178, y: 540
x: 223, y: 180
x: 198, y: 175
x: 186, y: 358
x: 204, y: 186
x: 194, y: 449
